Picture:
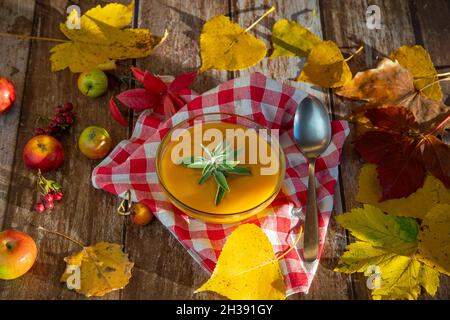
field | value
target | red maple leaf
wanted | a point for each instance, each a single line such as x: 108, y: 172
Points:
x: 403, y: 154
x: 164, y: 98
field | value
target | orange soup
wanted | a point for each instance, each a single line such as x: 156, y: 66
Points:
x: 246, y: 191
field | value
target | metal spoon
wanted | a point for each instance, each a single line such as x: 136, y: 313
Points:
x: 312, y: 133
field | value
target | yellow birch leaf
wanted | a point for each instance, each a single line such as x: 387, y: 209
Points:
x: 102, y: 269
x: 434, y: 245
x: 101, y: 39
x: 416, y: 205
x: 225, y: 45
x: 326, y: 67
x: 247, y: 268
x: 418, y: 61
x: 290, y: 38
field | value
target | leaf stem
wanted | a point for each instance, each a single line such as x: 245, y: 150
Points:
x: 443, y: 74
x: 260, y: 18
x: 440, y: 125
x: 354, y: 53
x: 24, y: 36
x: 292, y: 247
x: 434, y: 82
x: 62, y: 235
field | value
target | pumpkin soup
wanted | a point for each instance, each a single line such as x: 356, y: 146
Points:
x: 249, y: 180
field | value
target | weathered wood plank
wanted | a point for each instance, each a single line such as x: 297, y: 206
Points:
x: 327, y: 284
x: 432, y: 23
x: 85, y: 214
x: 164, y: 270
x: 17, y: 17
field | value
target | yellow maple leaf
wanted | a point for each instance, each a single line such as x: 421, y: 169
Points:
x: 387, y: 246
x: 416, y: 205
x: 290, y: 38
x: 225, y: 45
x: 326, y: 66
x: 434, y: 246
x: 418, y: 61
x: 402, y: 278
x: 102, y: 269
x: 247, y: 268
x: 101, y: 39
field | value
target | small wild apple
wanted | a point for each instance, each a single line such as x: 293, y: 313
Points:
x: 17, y: 254
x: 93, y: 83
x: 94, y: 142
x: 141, y: 214
x: 43, y: 152
x: 7, y: 95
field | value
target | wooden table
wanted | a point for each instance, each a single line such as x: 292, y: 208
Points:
x: 163, y: 269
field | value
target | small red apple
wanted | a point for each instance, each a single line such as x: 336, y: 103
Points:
x: 7, y: 95
x: 141, y: 214
x: 43, y: 152
x: 18, y: 253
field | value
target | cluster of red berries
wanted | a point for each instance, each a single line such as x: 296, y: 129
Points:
x: 49, y: 190
x: 48, y: 201
x: 61, y: 121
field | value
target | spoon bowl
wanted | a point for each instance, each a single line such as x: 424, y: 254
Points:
x: 312, y: 134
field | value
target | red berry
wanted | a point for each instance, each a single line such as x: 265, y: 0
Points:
x: 58, y: 196
x: 48, y: 197
x: 48, y: 131
x: 39, y: 131
x: 39, y: 207
x: 69, y: 119
x: 48, y: 204
x: 60, y: 119
x: 59, y: 109
x: 68, y: 106
x: 52, y: 124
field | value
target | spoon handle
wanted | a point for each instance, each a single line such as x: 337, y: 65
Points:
x: 311, y: 235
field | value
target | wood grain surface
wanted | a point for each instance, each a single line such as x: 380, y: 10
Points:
x: 163, y: 269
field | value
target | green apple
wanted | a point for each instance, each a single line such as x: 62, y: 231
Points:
x: 93, y: 83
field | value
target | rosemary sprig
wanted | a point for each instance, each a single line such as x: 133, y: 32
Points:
x: 219, y: 163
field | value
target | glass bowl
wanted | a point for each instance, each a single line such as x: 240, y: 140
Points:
x: 222, y: 120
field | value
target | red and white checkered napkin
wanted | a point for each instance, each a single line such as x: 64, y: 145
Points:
x: 131, y: 166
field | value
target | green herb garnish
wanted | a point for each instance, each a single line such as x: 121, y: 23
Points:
x: 219, y: 163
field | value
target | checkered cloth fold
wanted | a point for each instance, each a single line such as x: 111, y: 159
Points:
x: 131, y: 166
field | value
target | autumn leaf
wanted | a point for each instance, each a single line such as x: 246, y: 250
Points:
x: 402, y: 152
x: 390, y: 84
x: 101, y: 39
x: 434, y: 247
x: 389, y: 244
x: 326, y: 66
x: 396, y: 234
x: 103, y: 268
x: 290, y: 38
x: 165, y: 98
x: 225, y: 45
x: 247, y: 268
x: 416, y: 205
x: 417, y: 60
